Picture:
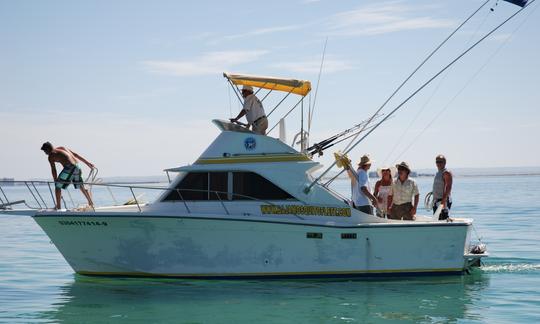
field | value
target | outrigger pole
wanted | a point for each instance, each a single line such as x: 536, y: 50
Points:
x: 321, y: 146
x: 527, y: 4
x: 425, y: 60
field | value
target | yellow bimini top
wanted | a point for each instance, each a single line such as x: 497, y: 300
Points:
x: 299, y: 87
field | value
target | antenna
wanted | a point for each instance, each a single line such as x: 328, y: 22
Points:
x: 317, y: 88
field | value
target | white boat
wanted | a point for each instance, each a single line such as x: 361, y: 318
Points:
x: 241, y: 210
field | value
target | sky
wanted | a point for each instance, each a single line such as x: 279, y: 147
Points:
x: 133, y: 86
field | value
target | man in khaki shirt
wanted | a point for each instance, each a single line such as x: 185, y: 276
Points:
x: 404, y: 190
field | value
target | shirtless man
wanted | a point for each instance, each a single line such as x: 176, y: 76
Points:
x: 71, y: 173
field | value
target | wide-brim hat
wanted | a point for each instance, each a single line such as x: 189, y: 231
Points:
x: 365, y: 160
x: 404, y: 165
x: 247, y: 88
x: 393, y: 171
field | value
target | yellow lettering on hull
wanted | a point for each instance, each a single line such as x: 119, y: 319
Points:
x: 305, y: 210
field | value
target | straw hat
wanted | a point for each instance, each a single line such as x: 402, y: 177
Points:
x: 393, y: 171
x: 365, y: 160
x: 247, y: 88
x: 404, y: 165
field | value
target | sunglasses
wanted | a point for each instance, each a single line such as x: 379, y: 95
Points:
x: 439, y: 161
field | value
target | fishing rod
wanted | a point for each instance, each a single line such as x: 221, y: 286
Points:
x: 319, y: 149
x: 312, y: 109
x: 525, y: 5
x: 329, y: 142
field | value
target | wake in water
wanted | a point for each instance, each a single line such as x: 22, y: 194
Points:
x: 510, y: 267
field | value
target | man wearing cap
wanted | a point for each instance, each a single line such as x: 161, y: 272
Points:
x: 442, y: 188
x: 362, y: 198
x: 404, y: 190
x: 254, y: 112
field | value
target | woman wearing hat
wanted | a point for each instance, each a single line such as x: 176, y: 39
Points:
x: 404, y: 190
x: 253, y: 110
x: 383, y: 187
x: 362, y: 198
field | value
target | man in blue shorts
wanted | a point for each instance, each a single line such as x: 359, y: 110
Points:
x: 71, y: 173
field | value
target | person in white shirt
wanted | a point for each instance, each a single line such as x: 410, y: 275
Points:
x: 362, y: 198
x: 404, y: 192
x: 254, y: 112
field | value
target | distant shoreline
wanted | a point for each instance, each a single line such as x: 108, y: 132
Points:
x: 420, y: 173
x: 491, y: 175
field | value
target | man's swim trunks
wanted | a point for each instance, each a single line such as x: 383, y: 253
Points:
x: 70, y: 174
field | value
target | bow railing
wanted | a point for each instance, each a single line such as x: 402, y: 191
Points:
x: 42, y: 201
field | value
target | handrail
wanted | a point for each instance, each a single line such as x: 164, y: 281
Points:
x: 33, y: 195
x: 131, y: 187
x: 4, y: 194
x: 185, y: 204
x: 135, y: 198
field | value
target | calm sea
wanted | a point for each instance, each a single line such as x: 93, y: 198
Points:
x: 37, y: 285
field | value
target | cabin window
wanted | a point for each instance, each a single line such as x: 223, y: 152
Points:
x: 194, y: 186
x: 253, y: 185
x: 218, y: 185
x: 226, y: 186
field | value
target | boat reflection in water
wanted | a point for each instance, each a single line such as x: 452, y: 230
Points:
x: 444, y: 299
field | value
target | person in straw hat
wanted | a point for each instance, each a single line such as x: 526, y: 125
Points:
x: 362, y: 198
x: 404, y: 190
x: 253, y: 110
x: 383, y: 187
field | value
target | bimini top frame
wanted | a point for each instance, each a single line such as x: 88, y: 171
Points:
x: 298, y: 87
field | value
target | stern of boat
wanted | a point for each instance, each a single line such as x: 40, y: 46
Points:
x: 474, y: 250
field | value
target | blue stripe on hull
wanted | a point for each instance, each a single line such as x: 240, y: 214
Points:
x: 285, y: 276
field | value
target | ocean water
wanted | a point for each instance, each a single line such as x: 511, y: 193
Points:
x: 37, y: 285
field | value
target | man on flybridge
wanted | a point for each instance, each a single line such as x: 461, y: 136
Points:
x: 253, y: 110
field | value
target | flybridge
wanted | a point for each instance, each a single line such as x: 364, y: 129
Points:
x: 286, y: 85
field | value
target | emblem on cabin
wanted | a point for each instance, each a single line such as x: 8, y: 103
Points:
x: 249, y: 143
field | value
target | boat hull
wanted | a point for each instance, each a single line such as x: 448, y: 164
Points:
x: 195, y: 247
